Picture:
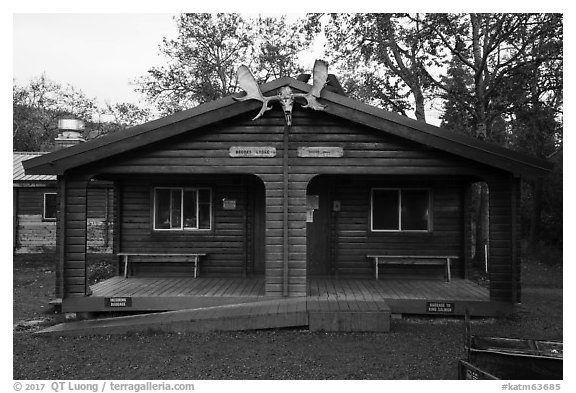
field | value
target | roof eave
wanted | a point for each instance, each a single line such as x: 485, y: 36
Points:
x: 57, y: 163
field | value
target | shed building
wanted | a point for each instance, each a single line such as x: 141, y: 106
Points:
x: 35, y: 209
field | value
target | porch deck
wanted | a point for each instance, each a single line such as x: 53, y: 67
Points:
x: 175, y: 293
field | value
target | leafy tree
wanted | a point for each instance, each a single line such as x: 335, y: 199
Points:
x: 456, y: 115
x: 494, y: 50
x: 537, y: 130
x: 385, y: 55
x: 38, y: 105
x: 276, y: 47
x: 481, y: 66
x: 37, y: 108
x: 505, y: 84
x: 203, y: 59
x: 126, y: 114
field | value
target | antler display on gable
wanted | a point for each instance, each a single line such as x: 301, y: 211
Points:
x: 285, y: 95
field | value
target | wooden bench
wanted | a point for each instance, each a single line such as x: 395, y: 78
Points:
x: 192, y: 258
x: 415, y: 260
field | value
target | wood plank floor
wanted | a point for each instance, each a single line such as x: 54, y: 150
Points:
x: 332, y: 304
x: 325, y: 288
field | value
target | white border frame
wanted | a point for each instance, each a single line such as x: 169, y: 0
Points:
x: 44, y: 218
x: 399, y: 190
x: 182, y: 228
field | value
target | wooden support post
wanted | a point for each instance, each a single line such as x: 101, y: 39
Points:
x: 14, y: 218
x: 285, y: 212
x: 60, y: 236
x: 514, y: 194
x: 116, y: 219
x: 467, y: 233
x: 106, y: 217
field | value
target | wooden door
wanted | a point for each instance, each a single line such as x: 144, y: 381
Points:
x: 318, y: 227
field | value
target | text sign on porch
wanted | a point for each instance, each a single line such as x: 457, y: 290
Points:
x: 252, y: 151
x: 440, y: 307
x: 118, y: 302
x: 320, y: 152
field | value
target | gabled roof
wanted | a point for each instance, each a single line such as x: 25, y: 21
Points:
x: 18, y: 170
x: 462, y: 145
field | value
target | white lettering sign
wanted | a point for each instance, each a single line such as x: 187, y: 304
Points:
x: 316, y: 152
x: 252, y: 151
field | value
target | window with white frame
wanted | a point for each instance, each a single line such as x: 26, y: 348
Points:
x: 400, y: 209
x: 182, y: 208
x: 50, y: 208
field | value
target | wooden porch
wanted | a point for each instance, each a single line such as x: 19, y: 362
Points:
x: 175, y: 293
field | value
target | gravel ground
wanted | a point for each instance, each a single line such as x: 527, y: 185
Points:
x: 416, y: 347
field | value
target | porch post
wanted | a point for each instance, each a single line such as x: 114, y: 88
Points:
x: 467, y: 231
x: 504, y: 255
x: 72, y: 233
x: 516, y: 241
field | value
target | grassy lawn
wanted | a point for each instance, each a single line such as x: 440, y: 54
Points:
x: 416, y: 347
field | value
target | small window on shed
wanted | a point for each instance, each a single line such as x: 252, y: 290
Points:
x: 394, y: 209
x: 50, y: 207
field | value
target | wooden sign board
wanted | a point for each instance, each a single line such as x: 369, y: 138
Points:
x: 229, y: 204
x: 320, y: 152
x: 118, y: 302
x: 252, y: 151
x: 440, y: 307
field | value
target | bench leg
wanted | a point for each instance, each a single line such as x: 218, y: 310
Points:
x: 125, y: 266
x: 196, y: 266
x: 448, y: 274
x: 376, y: 264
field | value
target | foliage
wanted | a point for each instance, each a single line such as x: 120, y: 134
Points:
x: 495, y: 51
x: 202, y: 61
x: 277, y: 46
x: 37, y: 108
x: 126, y: 114
x: 498, y: 76
x: 39, y: 104
x: 383, y: 57
x: 543, y: 226
x: 100, y: 270
x: 456, y: 116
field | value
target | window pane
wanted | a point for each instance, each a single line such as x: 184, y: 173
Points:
x: 204, y: 195
x: 385, y: 210
x: 415, y: 209
x: 162, y: 209
x: 205, y: 202
x: 50, y: 206
x: 190, y: 219
x: 176, y: 208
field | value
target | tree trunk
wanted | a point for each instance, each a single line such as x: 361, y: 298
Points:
x: 420, y: 111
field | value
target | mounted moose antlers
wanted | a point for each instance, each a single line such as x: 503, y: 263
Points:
x: 285, y: 95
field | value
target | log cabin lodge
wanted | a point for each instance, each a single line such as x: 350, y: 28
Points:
x: 351, y: 200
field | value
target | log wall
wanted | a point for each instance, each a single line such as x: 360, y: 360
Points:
x: 366, y: 152
x: 33, y: 234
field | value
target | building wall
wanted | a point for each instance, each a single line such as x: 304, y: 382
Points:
x: 366, y: 152
x: 33, y: 234
x: 226, y: 244
x: 354, y: 239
